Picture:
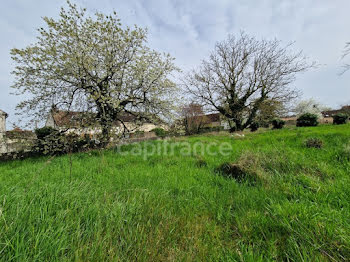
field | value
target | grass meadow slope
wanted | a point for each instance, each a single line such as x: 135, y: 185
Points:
x: 167, y: 201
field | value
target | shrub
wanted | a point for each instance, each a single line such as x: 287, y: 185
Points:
x: 265, y: 124
x: 215, y: 128
x: 278, y: 123
x: 138, y: 133
x: 55, y: 142
x: 175, y: 132
x: 314, y: 143
x: 160, y: 132
x: 254, y: 126
x: 49, y: 142
x: 340, y: 119
x: 205, y: 129
x: 208, y: 129
x: 44, y: 131
x: 75, y: 143
x: 307, y: 119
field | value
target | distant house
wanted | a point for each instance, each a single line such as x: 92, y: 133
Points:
x: 3, y: 147
x: 16, y: 140
x: 326, y: 118
x: 331, y: 113
x: 328, y: 115
x: 291, y: 120
x: 217, y: 120
x: 212, y: 120
x: 3, y: 117
x: 85, y: 123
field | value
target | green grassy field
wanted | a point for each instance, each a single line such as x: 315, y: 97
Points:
x: 118, y: 205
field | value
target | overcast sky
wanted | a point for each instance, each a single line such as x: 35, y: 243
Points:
x: 188, y: 30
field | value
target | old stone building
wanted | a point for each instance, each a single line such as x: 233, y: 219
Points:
x: 3, y: 117
x: 16, y: 140
x: 85, y: 123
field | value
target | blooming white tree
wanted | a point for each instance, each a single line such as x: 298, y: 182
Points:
x: 93, y: 64
x: 310, y: 106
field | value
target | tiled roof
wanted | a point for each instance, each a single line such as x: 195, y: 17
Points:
x: 20, y: 134
x: 72, y: 119
x: 344, y: 109
x: 213, y: 117
x: 210, y: 118
x: 78, y: 119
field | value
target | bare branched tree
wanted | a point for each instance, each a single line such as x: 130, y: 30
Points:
x: 93, y: 64
x: 244, y: 72
x: 345, y: 54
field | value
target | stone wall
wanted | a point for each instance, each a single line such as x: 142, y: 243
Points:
x: 3, y: 147
x: 2, y: 123
x: 16, y: 141
x: 3, y: 116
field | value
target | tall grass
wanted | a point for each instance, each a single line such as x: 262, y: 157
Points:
x: 111, y: 206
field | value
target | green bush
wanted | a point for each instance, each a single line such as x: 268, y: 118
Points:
x: 265, y: 124
x: 75, y: 143
x: 209, y: 129
x: 160, y: 132
x: 44, y: 132
x: 340, y: 119
x: 307, y: 119
x: 254, y: 126
x: 278, y: 123
x: 49, y: 142
x: 138, y: 134
x: 54, y: 142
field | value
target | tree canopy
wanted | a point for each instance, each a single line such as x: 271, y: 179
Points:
x: 93, y: 63
x: 346, y: 54
x: 310, y: 106
x: 243, y: 72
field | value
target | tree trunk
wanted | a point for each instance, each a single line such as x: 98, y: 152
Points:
x: 238, y: 125
x: 254, y: 111
x: 106, y: 131
x: 105, y: 136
